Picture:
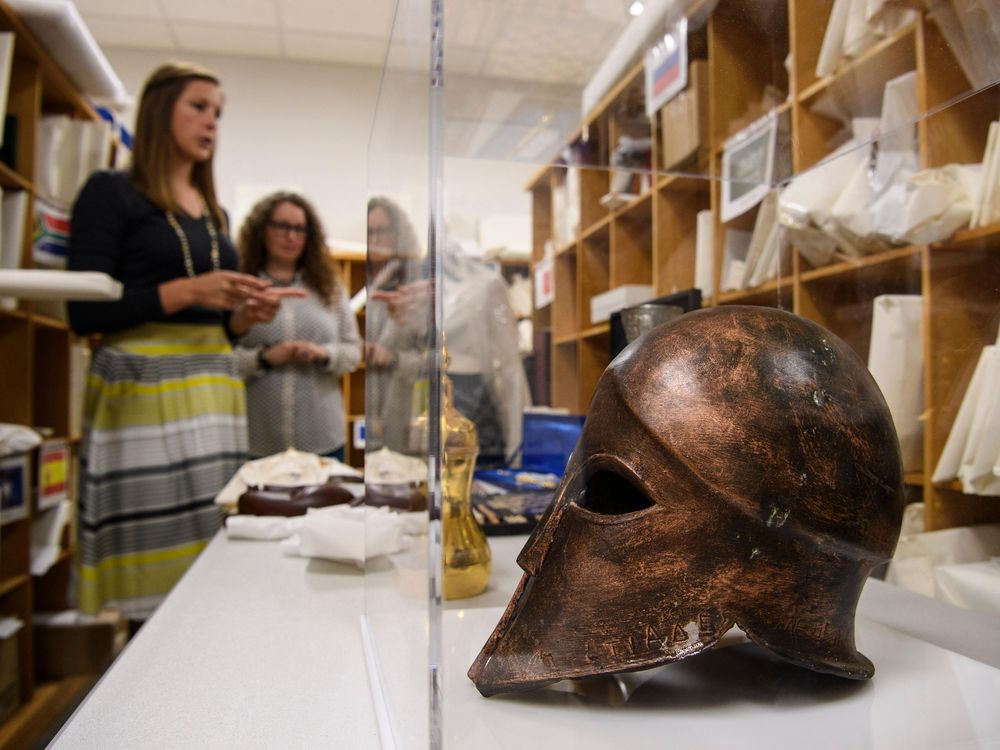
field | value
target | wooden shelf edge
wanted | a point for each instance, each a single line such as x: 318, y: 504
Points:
x: 955, y: 485
x: 50, y: 703
x: 599, y: 329
x: 533, y: 182
x: 9, y: 584
x: 566, y: 338
x: 44, y: 321
x: 785, y: 282
x: 11, y: 179
x: 835, y: 269
x: 966, y: 236
x: 565, y: 248
x: 684, y: 183
x: 602, y: 223
x: 913, y: 478
x: 635, y: 203
x: 15, y: 314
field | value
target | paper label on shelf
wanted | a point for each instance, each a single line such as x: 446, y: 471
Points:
x: 666, y: 67
x: 53, y: 469
x: 544, y: 288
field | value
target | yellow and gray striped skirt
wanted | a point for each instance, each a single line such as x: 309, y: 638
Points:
x: 165, y: 430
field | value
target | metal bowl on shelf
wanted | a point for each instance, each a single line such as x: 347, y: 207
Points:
x: 641, y: 319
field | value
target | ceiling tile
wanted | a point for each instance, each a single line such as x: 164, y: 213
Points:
x: 464, y: 60
x: 201, y: 37
x: 372, y: 18
x: 237, y: 13
x: 137, y: 34
x: 299, y: 45
x: 127, y: 8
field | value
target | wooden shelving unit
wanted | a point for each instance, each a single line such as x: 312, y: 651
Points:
x: 651, y: 240
x: 352, y: 268
x: 35, y: 381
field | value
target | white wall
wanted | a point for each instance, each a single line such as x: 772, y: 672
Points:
x: 308, y: 125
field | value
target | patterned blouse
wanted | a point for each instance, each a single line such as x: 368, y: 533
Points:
x: 299, y: 405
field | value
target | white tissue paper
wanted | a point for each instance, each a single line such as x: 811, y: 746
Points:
x: 385, y: 466
x: 347, y: 534
x: 16, y: 438
x: 975, y: 402
x: 956, y: 565
x: 939, y: 202
x: 264, y: 528
x: 341, y: 532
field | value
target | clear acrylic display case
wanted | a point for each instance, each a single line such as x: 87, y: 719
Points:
x: 835, y: 159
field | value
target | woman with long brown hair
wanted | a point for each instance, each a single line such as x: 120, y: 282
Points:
x: 293, y: 363
x: 165, y: 412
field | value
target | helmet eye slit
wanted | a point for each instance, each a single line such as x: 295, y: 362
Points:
x: 611, y: 494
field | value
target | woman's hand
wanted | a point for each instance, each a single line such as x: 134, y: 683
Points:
x: 406, y: 301
x: 308, y: 353
x: 377, y: 355
x: 222, y: 290
x: 294, y: 352
x: 261, y: 307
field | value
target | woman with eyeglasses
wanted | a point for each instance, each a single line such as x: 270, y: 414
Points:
x: 293, y: 364
x: 165, y: 416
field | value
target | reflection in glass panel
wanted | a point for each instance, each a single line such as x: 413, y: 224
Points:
x: 826, y: 161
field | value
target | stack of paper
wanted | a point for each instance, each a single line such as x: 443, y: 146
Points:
x: 896, y: 361
x: 972, y: 451
x: 987, y: 208
x: 704, y: 261
x: 855, y: 26
x: 734, y: 258
x: 763, y: 255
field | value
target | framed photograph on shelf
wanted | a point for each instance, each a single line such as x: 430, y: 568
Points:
x: 748, y: 166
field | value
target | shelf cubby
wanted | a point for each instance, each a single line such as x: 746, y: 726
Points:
x: 565, y: 304
x: 632, y: 245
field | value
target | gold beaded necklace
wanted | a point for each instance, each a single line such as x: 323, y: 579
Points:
x: 186, y: 248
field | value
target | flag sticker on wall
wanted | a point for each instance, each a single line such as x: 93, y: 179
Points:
x: 666, y: 66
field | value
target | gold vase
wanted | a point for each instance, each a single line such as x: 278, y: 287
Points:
x: 466, y: 553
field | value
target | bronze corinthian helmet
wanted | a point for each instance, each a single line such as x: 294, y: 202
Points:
x: 738, y: 466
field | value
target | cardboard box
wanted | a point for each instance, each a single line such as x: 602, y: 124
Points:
x: 613, y: 300
x: 684, y: 119
x: 66, y: 646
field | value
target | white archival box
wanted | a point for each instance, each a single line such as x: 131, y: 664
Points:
x: 613, y: 300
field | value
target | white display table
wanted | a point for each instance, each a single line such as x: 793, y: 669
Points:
x: 256, y: 650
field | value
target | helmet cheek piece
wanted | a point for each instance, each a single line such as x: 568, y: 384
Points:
x: 648, y: 555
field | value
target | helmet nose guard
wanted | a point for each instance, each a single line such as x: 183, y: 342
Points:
x: 738, y: 466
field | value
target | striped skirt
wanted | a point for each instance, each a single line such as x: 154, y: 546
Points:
x: 165, y: 430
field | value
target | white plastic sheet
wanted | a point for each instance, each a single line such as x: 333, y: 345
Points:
x: 896, y: 361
